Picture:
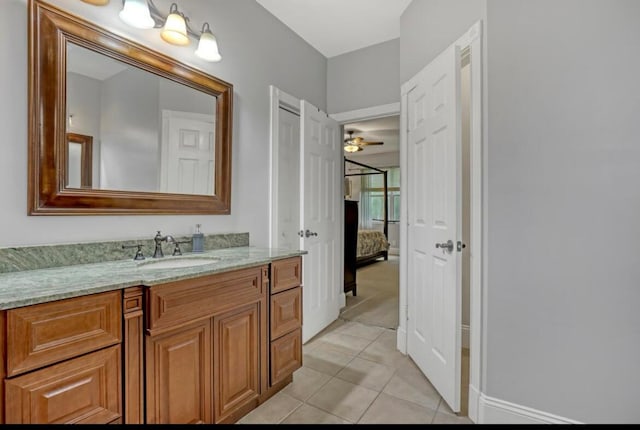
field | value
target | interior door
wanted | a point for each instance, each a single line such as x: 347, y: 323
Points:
x: 434, y: 281
x: 188, y: 154
x: 320, y: 218
x: 288, y: 201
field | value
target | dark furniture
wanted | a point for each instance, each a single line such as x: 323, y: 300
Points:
x: 350, y: 245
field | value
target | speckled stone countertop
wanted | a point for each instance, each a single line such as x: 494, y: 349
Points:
x: 30, y: 287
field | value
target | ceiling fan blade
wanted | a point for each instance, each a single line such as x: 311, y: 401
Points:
x: 371, y: 143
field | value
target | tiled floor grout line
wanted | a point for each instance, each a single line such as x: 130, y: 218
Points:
x: 379, y: 392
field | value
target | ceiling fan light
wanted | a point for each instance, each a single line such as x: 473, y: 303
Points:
x: 352, y: 148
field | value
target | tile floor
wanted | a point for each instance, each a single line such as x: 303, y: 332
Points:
x: 353, y: 373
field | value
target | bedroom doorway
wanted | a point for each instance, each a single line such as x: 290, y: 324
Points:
x: 372, y: 192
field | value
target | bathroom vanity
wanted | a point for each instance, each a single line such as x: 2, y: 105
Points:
x: 125, y: 342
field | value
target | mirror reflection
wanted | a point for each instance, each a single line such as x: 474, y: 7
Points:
x: 129, y: 129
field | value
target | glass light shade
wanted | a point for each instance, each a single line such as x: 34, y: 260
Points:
x: 208, y: 47
x: 352, y: 148
x: 96, y: 2
x: 175, y: 30
x: 136, y: 14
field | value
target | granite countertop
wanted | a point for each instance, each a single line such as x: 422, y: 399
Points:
x: 31, y: 287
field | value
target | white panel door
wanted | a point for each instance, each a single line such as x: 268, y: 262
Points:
x: 288, y: 202
x: 320, y: 219
x: 188, y: 154
x: 434, y: 284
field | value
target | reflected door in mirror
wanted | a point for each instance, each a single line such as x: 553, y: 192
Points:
x: 187, y: 153
x: 79, y: 169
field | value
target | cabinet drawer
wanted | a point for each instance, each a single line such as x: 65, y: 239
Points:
x: 181, y: 302
x: 286, y: 274
x: 286, y: 356
x: 84, y: 390
x: 47, y: 333
x: 286, y: 312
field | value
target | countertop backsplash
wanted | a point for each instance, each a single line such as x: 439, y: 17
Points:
x: 16, y: 259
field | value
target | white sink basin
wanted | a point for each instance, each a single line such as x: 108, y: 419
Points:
x: 174, y: 263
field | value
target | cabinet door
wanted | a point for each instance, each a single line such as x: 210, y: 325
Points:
x: 236, y: 362
x: 286, y: 356
x: 178, y: 375
x: 83, y: 390
x: 286, y: 312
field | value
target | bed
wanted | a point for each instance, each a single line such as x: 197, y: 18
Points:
x: 371, y: 245
x: 362, y: 246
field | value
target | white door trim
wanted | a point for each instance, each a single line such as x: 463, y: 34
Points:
x: 278, y: 99
x: 372, y: 112
x: 473, y: 40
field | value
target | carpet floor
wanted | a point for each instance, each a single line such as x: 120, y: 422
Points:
x: 376, y: 302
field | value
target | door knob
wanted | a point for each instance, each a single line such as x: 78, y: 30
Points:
x: 309, y: 233
x: 446, y: 246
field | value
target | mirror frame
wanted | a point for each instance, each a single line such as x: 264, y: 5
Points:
x: 49, y: 31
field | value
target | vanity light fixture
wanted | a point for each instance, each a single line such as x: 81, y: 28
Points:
x: 208, y: 45
x: 175, y: 27
x: 136, y: 14
x: 96, y: 2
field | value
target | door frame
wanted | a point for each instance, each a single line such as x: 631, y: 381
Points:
x: 278, y: 99
x: 472, y: 39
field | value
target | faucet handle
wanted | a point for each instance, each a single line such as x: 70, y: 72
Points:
x: 139, y: 255
x: 176, y: 249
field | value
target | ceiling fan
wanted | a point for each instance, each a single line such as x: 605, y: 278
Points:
x: 355, y: 144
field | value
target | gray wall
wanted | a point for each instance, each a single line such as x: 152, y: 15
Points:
x: 563, y: 96
x: 364, y: 78
x: 83, y: 102
x: 427, y: 27
x: 130, y: 132
x: 564, y: 204
x: 257, y: 49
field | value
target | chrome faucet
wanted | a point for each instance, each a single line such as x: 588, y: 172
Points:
x: 158, y: 240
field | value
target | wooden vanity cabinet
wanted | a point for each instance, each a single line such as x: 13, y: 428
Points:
x: 205, y: 347
x: 285, y: 334
x: 203, y: 350
x: 64, y: 361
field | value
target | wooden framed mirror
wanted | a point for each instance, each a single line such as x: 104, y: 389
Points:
x: 160, y: 130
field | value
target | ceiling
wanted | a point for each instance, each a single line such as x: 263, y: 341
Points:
x: 385, y: 130
x: 336, y: 27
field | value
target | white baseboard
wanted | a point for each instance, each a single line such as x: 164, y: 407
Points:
x: 495, y: 411
x: 474, y: 401
x: 401, y: 340
x: 394, y: 251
